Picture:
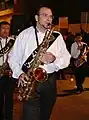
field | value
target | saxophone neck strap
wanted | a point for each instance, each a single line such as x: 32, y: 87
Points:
x: 36, y: 36
x: 1, y: 42
x: 7, y: 47
x: 2, y: 47
x: 26, y: 64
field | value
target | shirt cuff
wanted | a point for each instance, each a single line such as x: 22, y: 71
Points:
x: 17, y: 74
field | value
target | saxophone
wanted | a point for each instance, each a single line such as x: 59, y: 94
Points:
x: 81, y: 59
x: 35, y: 73
x: 4, y: 69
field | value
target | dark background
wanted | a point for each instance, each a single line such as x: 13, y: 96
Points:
x: 70, y: 8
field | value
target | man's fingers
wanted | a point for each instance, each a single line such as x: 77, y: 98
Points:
x: 19, y: 83
x: 22, y: 80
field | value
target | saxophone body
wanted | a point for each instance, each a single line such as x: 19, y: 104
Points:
x: 4, y: 69
x: 35, y: 73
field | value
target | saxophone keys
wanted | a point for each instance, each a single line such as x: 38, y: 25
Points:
x: 27, y: 97
x: 29, y: 83
x: 26, y: 89
x: 19, y: 98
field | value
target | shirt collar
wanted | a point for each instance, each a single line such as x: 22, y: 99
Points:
x: 3, y: 38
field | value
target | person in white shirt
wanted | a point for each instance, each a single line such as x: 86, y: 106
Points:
x: 57, y: 57
x: 78, y: 50
x: 6, y: 82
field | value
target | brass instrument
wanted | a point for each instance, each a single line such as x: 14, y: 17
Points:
x: 81, y: 59
x: 4, y: 69
x: 35, y: 73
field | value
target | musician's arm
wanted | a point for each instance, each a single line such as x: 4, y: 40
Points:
x: 61, y: 54
x: 14, y: 58
x: 74, y: 51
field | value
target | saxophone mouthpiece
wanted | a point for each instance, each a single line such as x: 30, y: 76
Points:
x: 49, y: 25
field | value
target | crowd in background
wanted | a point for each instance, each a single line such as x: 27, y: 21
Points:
x: 69, y: 38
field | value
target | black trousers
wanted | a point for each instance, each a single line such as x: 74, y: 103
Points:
x: 80, y: 74
x: 40, y: 107
x: 6, y: 97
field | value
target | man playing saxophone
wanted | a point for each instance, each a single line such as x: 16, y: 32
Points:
x: 55, y: 58
x: 6, y: 82
x: 79, y: 52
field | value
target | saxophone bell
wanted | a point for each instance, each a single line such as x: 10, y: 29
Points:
x: 40, y: 74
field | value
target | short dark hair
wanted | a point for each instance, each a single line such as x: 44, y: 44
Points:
x: 36, y: 12
x: 78, y: 34
x: 41, y: 6
x: 4, y: 23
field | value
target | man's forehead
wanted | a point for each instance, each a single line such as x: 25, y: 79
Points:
x: 5, y: 25
x: 79, y: 37
x: 45, y: 9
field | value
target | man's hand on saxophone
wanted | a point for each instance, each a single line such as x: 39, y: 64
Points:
x: 47, y: 58
x: 22, y: 79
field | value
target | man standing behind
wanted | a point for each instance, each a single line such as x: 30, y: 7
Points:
x: 6, y: 82
x: 55, y: 58
x: 80, y: 66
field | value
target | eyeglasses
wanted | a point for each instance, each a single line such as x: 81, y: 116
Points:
x: 46, y: 15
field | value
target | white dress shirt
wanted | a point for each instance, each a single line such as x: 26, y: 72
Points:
x: 25, y: 44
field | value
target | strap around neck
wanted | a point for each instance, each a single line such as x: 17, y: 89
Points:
x: 36, y: 36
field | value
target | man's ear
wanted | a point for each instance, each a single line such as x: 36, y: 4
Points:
x: 36, y: 18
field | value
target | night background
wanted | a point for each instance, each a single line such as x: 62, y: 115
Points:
x: 70, y: 8
x: 24, y: 10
